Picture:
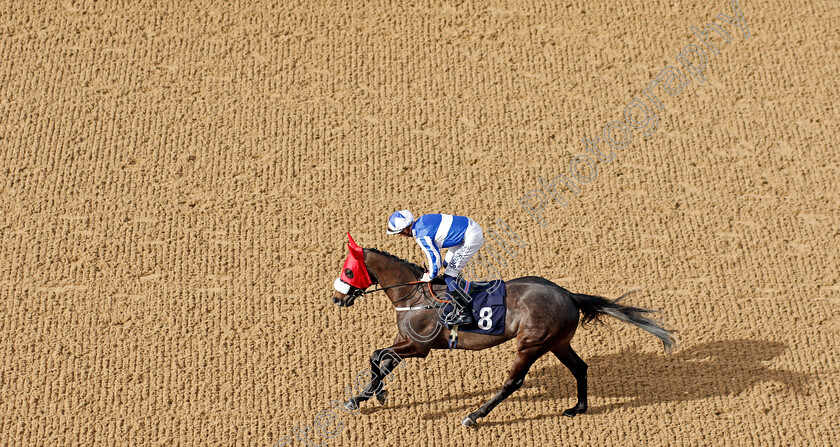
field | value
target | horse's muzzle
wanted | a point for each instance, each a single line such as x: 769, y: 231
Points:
x: 345, y: 302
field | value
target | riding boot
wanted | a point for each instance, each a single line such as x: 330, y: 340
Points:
x: 461, y: 303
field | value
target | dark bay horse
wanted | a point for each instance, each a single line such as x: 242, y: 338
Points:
x: 541, y: 315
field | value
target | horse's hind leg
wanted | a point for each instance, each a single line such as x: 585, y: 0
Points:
x: 578, y: 368
x: 521, y: 365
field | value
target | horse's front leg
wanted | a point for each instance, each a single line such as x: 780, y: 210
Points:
x: 382, y: 362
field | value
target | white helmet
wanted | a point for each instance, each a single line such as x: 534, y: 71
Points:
x: 399, y: 220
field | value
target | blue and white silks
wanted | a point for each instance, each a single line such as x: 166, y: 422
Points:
x: 460, y: 234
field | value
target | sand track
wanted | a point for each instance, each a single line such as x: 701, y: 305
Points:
x: 176, y: 179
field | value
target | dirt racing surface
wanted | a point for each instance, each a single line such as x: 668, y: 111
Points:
x: 176, y: 181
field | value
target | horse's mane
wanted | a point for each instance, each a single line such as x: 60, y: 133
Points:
x: 412, y: 266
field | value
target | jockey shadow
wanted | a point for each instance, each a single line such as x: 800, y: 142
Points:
x: 640, y: 379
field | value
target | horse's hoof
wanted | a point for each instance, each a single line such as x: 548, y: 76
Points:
x: 382, y: 397
x: 468, y: 421
x: 574, y: 411
x: 350, y: 406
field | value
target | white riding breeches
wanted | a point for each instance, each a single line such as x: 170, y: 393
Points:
x: 458, y: 256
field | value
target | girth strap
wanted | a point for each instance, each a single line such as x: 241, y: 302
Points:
x: 453, y: 337
x: 428, y: 306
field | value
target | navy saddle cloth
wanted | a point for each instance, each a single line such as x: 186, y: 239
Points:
x: 487, y: 301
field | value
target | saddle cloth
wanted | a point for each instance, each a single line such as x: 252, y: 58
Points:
x: 487, y: 302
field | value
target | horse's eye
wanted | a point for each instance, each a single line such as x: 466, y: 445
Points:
x: 348, y: 273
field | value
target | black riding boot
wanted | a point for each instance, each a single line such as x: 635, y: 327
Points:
x: 462, y: 313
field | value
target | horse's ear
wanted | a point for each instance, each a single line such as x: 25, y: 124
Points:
x: 354, y: 249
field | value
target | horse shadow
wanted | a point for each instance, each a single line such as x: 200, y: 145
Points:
x: 641, y: 379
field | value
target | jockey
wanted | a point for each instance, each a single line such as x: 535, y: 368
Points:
x: 461, y: 235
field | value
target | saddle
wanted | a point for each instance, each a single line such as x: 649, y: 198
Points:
x: 486, y: 303
x: 471, y: 287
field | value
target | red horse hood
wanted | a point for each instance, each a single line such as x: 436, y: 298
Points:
x: 355, y: 265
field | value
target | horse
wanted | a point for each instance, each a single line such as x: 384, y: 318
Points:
x: 541, y: 315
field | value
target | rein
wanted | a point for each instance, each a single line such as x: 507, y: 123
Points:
x: 412, y: 283
x: 365, y: 292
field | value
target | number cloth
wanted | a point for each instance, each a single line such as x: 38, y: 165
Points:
x: 487, y: 303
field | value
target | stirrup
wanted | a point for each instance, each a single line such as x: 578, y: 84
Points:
x: 465, y: 319
x: 462, y: 317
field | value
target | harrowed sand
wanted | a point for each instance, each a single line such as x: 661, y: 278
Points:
x: 176, y: 179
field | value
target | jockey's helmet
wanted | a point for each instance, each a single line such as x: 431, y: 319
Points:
x: 399, y: 220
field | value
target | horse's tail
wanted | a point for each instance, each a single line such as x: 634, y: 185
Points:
x: 593, y: 307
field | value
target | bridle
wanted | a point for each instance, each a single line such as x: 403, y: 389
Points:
x: 355, y: 264
x: 356, y: 292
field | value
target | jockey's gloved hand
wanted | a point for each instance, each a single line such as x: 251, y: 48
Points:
x: 426, y: 277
